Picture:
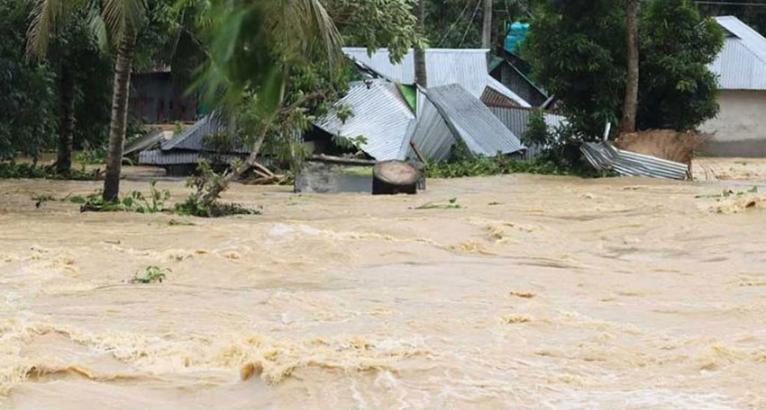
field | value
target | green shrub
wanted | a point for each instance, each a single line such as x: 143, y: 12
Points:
x: 91, y: 156
x: 537, y: 130
x: 500, y: 165
x: 151, y: 274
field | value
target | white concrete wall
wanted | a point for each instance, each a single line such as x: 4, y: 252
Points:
x: 740, y: 127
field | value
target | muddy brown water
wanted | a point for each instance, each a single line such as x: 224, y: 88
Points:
x: 538, y: 292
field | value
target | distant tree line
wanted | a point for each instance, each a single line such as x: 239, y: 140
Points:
x: 752, y: 12
x: 578, y: 52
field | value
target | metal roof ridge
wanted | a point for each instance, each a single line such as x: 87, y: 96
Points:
x: 744, y: 26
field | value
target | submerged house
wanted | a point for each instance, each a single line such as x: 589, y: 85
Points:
x: 155, y: 98
x: 450, y: 115
x: 393, y: 115
x: 380, y: 114
x: 514, y: 73
x: 386, y: 116
x: 740, y: 127
x: 180, y: 154
x: 467, y: 67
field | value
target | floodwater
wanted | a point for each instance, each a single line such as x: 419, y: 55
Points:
x: 537, y: 292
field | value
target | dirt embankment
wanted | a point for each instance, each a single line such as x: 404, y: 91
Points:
x: 666, y: 144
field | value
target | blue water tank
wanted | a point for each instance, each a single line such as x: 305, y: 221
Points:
x: 517, y: 32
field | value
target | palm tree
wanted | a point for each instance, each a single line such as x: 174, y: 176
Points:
x: 119, y: 21
x: 67, y: 88
x: 253, y: 44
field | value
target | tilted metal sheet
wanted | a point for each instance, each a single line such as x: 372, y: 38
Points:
x: 741, y: 65
x: 603, y: 156
x: 431, y: 135
x: 467, y: 67
x: 473, y: 122
x: 380, y: 115
x: 148, y: 141
x: 193, y: 138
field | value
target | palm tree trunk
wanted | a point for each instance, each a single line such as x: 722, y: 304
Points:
x: 119, y: 122
x: 421, y: 76
x: 630, y: 106
x: 66, y: 122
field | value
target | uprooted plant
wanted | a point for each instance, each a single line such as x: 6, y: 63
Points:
x: 205, y: 201
x: 151, y: 274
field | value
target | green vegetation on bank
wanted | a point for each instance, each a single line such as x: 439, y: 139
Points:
x: 134, y: 202
x: 484, y: 166
x: 556, y: 157
x: 12, y: 170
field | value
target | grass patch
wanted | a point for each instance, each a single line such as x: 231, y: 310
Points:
x: 42, y: 199
x: 451, y: 204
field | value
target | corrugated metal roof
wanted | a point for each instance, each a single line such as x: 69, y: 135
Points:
x: 148, y: 141
x: 492, y: 98
x: 741, y: 65
x: 467, y: 67
x: 517, y: 119
x: 452, y: 112
x: 193, y: 138
x: 175, y: 157
x: 380, y: 115
x: 431, y: 134
x: 603, y: 156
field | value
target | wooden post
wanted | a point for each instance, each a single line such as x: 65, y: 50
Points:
x: 630, y: 106
x: 486, y: 29
x: 421, y: 74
